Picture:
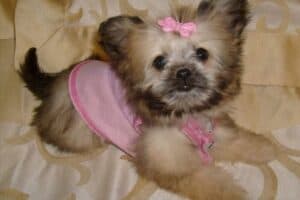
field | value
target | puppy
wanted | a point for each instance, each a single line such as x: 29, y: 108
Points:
x: 171, y: 74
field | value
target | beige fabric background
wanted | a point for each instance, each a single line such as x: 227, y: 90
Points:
x: 64, y: 30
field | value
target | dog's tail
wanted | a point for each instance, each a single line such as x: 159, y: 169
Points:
x: 36, y: 81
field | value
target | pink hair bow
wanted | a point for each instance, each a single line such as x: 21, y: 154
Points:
x: 169, y: 24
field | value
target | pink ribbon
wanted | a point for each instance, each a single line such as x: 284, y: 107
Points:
x: 169, y: 24
x: 202, y: 139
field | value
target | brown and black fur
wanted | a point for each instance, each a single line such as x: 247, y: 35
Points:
x: 56, y: 119
x: 36, y: 81
x: 235, y: 17
x: 164, y: 154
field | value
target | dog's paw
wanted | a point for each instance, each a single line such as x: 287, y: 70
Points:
x: 211, y: 183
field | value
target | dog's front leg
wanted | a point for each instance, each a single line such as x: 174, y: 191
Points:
x: 234, y: 143
x: 166, y: 156
x: 167, y: 151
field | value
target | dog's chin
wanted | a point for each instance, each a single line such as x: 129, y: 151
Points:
x: 184, y: 99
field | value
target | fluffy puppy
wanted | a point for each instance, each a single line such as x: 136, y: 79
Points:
x: 168, y: 79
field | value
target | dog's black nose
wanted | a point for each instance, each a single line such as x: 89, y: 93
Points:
x: 183, y: 73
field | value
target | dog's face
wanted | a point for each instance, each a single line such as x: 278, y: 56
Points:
x: 173, y: 74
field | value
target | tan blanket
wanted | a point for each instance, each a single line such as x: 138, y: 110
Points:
x: 64, y: 32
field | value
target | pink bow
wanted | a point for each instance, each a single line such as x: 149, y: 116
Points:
x: 202, y: 139
x: 169, y: 24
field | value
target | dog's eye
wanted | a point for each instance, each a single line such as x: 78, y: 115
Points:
x: 202, y: 54
x: 160, y: 62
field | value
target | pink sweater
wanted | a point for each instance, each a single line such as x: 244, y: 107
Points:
x: 98, y: 96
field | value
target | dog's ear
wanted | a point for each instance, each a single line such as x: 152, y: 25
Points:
x: 234, y: 14
x: 114, y: 34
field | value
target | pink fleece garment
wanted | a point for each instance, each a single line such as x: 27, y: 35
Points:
x: 98, y: 96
